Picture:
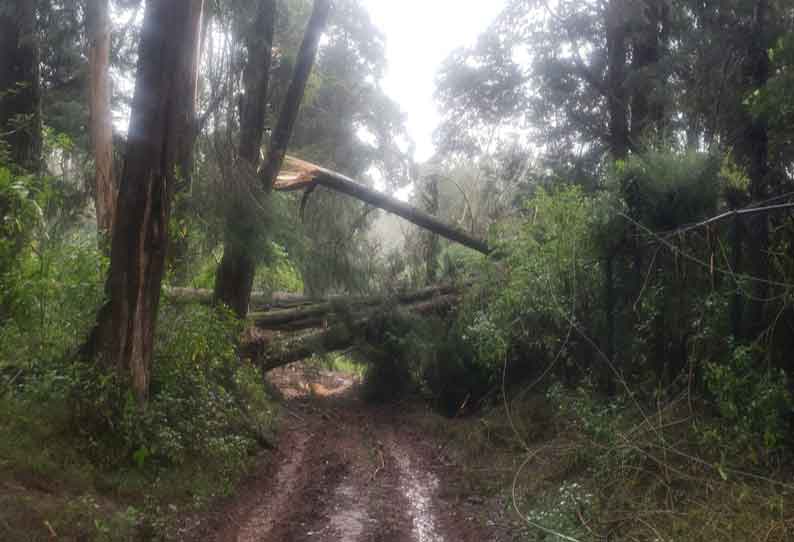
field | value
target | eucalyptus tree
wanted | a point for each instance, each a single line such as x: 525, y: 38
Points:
x: 235, y: 275
x: 161, y: 128
x: 98, y: 28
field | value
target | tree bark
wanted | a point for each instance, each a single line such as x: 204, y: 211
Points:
x: 234, y: 279
x: 101, y: 120
x: 20, y: 89
x: 753, y: 148
x: 289, y: 110
x: 285, y: 300
x: 235, y: 276
x: 161, y: 120
x: 303, y: 175
x: 270, y: 355
x: 431, y: 239
x: 616, y: 75
x: 308, y: 314
x: 648, y: 41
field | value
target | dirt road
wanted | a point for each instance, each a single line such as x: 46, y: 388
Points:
x: 348, y: 471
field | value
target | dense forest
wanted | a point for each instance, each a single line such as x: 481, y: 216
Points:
x: 224, y: 274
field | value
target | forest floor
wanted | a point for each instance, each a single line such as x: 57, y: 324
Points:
x: 346, y: 470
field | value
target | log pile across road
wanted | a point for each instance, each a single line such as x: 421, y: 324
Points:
x: 291, y: 327
x: 335, y: 331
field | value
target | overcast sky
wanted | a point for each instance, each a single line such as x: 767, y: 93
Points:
x: 420, y: 34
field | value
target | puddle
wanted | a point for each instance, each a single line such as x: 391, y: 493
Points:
x: 347, y: 521
x: 418, y: 488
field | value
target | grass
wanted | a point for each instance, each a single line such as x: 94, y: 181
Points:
x: 594, y: 470
x: 49, y: 489
x: 338, y: 362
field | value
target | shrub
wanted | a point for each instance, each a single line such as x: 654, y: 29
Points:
x: 203, y: 404
x: 390, y: 355
x: 755, y: 402
x: 549, y: 273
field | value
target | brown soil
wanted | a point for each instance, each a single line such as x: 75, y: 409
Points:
x: 348, y: 471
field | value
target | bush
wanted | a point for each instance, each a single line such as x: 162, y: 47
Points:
x: 451, y: 374
x: 203, y: 404
x: 390, y: 354
x: 755, y: 402
x: 549, y: 272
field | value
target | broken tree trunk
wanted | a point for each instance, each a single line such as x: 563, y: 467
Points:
x: 316, y: 314
x: 260, y: 300
x: 300, y: 175
x: 286, y: 300
x: 235, y: 277
x: 270, y: 355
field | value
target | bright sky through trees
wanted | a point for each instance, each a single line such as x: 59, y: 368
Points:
x: 420, y: 34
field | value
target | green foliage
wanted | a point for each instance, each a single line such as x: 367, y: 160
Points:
x: 390, y: 356
x: 20, y: 209
x: 558, y: 510
x: 549, y: 271
x: 754, y: 401
x: 598, y: 419
x: 53, y: 292
x: 279, y: 274
x: 451, y: 375
x: 338, y: 362
x: 665, y: 190
x: 203, y: 404
x: 75, y: 424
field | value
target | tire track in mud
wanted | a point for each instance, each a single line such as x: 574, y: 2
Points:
x: 347, y: 472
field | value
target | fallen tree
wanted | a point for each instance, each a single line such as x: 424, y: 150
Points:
x: 266, y: 303
x: 300, y: 175
x: 259, y: 300
x: 270, y: 354
x: 313, y: 315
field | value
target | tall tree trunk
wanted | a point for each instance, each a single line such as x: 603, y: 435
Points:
x: 101, y: 120
x: 616, y: 75
x: 234, y: 279
x: 161, y: 121
x: 235, y: 275
x: 431, y: 240
x: 753, y: 147
x: 20, y: 90
x: 648, y: 41
x: 292, y: 101
x: 617, y: 105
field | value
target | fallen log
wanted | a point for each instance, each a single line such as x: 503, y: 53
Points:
x: 260, y: 300
x: 313, y: 315
x: 270, y: 355
x: 300, y: 175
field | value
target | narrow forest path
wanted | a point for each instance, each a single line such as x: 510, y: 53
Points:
x: 348, y: 471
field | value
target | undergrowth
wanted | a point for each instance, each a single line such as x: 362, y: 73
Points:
x: 569, y: 464
x: 79, y: 459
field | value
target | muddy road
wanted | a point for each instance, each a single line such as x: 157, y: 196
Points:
x: 348, y: 471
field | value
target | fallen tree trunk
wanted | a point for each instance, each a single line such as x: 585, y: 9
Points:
x: 300, y: 175
x: 314, y: 314
x: 270, y: 355
x: 288, y: 301
x: 260, y: 300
